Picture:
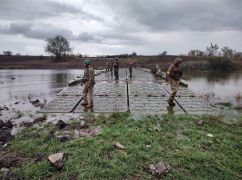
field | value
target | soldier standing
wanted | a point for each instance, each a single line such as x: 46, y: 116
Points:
x: 173, y: 77
x: 107, y: 66
x: 111, y: 66
x: 89, y: 82
x: 130, y: 66
x: 116, y: 68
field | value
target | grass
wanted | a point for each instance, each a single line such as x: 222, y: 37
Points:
x: 176, y: 140
x: 215, y: 64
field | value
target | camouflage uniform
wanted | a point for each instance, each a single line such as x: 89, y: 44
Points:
x: 107, y: 66
x: 174, y: 82
x: 116, y: 69
x: 130, y: 66
x: 89, y: 82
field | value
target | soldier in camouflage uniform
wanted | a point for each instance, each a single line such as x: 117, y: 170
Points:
x: 116, y: 68
x: 173, y: 77
x: 89, y: 82
x: 130, y: 66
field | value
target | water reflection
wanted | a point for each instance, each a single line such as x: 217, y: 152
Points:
x: 34, y: 83
x: 217, y: 86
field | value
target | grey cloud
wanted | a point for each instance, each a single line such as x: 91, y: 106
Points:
x: 119, y: 38
x: 38, y: 9
x: 29, y: 31
x: 86, y: 37
x: 163, y: 15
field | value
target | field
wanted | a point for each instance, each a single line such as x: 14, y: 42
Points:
x: 195, y: 147
x: 46, y: 62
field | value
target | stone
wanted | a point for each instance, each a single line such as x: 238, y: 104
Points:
x: 210, y: 135
x: 83, y: 124
x: 5, y: 136
x: 87, y: 132
x: 4, y: 146
x: 159, y: 170
x: 57, y: 160
x: 26, y: 124
x: 63, y: 138
x: 1, y: 124
x: 16, y: 103
x: 40, y: 119
x: 6, y: 108
x: 8, y: 124
x: 200, y: 123
x: 61, y: 124
x: 118, y: 145
x: 4, y: 170
x: 35, y: 101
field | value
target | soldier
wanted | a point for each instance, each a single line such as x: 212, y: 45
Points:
x: 111, y: 66
x: 107, y: 66
x: 130, y: 66
x: 89, y: 82
x: 173, y: 77
x: 116, y: 68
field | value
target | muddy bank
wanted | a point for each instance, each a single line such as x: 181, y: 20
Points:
x: 119, y: 147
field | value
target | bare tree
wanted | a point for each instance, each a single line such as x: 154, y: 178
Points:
x: 134, y: 54
x: 212, y: 50
x: 58, y: 46
x: 195, y: 52
x: 237, y: 54
x: 7, y: 53
x: 164, y: 53
x: 227, y: 52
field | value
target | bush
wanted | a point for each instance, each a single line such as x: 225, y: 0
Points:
x: 221, y: 64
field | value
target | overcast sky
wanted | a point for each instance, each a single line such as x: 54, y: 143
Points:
x: 98, y: 27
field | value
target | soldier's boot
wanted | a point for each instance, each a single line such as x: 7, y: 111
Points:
x: 89, y: 106
x: 90, y: 98
x: 84, y: 103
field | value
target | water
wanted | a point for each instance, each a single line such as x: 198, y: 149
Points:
x: 42, y: 84
x: 217, y: 86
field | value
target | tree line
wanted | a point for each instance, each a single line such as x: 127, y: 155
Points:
x: 213, y: 50
x: 59, y: 47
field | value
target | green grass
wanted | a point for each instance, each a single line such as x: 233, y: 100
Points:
x: 176, y: 140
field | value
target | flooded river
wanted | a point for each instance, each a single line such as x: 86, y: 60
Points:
x: 217, y: 86
x: 17, y: 85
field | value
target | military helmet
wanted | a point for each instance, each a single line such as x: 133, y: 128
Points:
x: 87, y: 62
x: 178, y: 60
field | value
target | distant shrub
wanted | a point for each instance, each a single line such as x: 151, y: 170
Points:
x: 221, y: 64
x: 195, y: 65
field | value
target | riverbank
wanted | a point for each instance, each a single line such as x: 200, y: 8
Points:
x: 47, y: 62
x: 124, y: 146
